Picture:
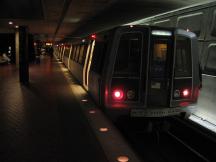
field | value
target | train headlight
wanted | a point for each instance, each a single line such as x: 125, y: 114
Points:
x: 176, y: 93
x: 131, y: 94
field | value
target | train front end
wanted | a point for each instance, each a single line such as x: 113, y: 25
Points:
x: 154, y: 72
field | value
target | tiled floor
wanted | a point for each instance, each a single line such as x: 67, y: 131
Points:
x: 43, y: 122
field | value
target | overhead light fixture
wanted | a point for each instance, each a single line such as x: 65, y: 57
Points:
x: 10, y: 22
x: 123, y: 159
x: 92, y: 112
x: 16, y: 26
x: 84, y: 100
x: 103, y: 129
x: 72, y: 20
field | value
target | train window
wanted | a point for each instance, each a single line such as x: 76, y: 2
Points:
x: 159, y: 58
x: 67, y: 51
x: 192, y: 22
x: 84, y: 54
x: 160, y: 51
x: 98, y: 56
x: 77, y: 53
x: 213, y: 25
x: 183, y: 67
x: 74, y: 52
x: 81, y: 54
x: 210, y: 67
x: 128, y: 59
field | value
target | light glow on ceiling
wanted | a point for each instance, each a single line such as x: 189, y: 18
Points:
x: 123, y: 159
x: 104, y: 129
x: 72, y: 20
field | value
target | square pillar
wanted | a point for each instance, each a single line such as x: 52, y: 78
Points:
x: 21, y: 38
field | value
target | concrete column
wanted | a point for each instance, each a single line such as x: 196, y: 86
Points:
x: 17, y: 47
x: 22, y: 62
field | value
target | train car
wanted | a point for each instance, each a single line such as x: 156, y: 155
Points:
x: 141, y: 71
x: 200, y: 19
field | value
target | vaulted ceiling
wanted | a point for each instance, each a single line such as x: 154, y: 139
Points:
x: 59, y: 19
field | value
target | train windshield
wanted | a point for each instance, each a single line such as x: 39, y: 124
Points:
x: 183, y: 64
x: 128, y: 58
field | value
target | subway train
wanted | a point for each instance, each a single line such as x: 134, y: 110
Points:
x: 140, y: 71
x: 201, y: 20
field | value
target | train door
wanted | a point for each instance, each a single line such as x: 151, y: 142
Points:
x: 160, y: 65
x: 87, y: 63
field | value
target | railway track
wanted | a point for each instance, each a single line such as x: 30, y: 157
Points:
x: 175, y: 141
x: 194, y: 151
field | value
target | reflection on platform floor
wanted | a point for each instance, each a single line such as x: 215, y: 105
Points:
x: 43, y: 121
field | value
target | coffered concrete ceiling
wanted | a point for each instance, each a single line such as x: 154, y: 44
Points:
x: 58, y: 19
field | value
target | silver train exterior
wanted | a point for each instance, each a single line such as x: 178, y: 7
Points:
x: 141, y: 71
x: 200, y: 19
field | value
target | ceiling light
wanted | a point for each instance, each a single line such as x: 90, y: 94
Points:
x: 84, y: 100
x: 103, y: 129
x: 123, y: 159
x: 10, y: 22
x: 72, y: 20
x: 92, y: 112
x: 16, y: 26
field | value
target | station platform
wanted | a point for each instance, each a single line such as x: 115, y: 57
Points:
x: 45, y: 122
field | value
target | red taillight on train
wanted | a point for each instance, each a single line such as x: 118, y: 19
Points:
x: 118, y: 94
x: 185, y: 93
x: 93, y: 36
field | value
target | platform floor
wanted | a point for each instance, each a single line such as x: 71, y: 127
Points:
x: 43, y: 122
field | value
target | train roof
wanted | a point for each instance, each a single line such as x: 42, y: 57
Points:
x: 175, y: 12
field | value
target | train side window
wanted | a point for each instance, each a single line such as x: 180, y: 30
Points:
x: 71, y: 52
x: 74, y: 52
x: 84, y: 54
x: 81, y: 54
x: 128, y: 59
x: 210, y: 67
x: 183, y: 67
x: 191, y: 22
x: 213, y: 25
x: 98, y: 56
x: 67, y: 51
x: 77, y: 53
